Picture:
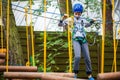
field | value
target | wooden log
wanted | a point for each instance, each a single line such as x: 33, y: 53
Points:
x: 2, y: 61
x: 2, y: 55
x: 31, y: 75
x: 109, y: 76
x: 19, y: 68
x: 71, y: 75
x: 3, y: 50
x: 50, y: 73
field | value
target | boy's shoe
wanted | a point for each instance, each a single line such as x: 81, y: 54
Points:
x: 91, y: 78
x: 75, y: 76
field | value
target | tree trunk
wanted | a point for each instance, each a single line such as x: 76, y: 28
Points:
x: 15, y: 50
x: 62, y: 7
x: 109, y: 28
x: 109, y: 24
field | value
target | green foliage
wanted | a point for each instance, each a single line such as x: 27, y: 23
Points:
x: 92, y: 38
x: 55, y: 42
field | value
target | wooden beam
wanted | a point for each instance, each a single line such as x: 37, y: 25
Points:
x: 109, y: 76
x: 71, y: 75
x: 2, y: 55
x: 2, y: 61
x: 3, y: 50
x: 33, y: 75
x: 49, y: 73
x: 19, y: 68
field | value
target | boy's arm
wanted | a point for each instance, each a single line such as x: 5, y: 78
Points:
x: 62, y: 21
x: 65, y: 21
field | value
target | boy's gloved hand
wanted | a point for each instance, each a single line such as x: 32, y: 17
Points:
x: 92, y: 21
x: 61, y: 21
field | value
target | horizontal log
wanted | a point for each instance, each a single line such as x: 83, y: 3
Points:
x: 31, y: 75
x: 61, y: 74
x: 109, y: 76
x: 2, y: 61
x: 48, y: 73
x: 2, y: 55
x: 3, y: 50
x: 19, y: 68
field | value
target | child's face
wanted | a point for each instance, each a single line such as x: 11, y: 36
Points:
x: 77, y: 14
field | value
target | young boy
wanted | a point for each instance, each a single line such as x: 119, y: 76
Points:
x: 77, y: 24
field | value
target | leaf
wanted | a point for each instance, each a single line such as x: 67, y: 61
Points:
x: 49, y: 68
x: 52, y: 62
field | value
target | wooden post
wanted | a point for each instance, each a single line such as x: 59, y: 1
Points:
x: 31, y: 75
x: 109, y: 76
x: 19, y: 68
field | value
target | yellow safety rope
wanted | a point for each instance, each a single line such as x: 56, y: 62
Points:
x: 7, y: 55
x: 114, y: 37
x: 103, y: 35
x: 32, y: 37
x: 1, y: 27
x: 28, y: 53
x: 71, y: 51
x: 113, y: 59
x: 45, y: 36
x: 69, y: 43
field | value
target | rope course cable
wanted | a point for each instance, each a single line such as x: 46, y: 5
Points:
x: 115, y: 52
x: 28, y: 53
x: 7, y: 35
x: 114, y: 37
x: 1, y: 27
x: 45, y: 37
x: 103, y: 36
x: 69, y: 40
x: 32, y: 37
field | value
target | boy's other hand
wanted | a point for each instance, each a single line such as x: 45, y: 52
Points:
x: 92, y: 21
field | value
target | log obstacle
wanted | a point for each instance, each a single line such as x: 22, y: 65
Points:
x: 71, y: 75
x: 33, y: 75
x: 109, y: 76
x: 19, y: 68
x: 2, y: 55
x: 2, y: 61
x: 4, y: 50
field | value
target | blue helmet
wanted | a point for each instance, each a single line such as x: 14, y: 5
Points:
x: 77, y: 7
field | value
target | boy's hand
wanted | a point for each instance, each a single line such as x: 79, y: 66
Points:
x: 65, y: 16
